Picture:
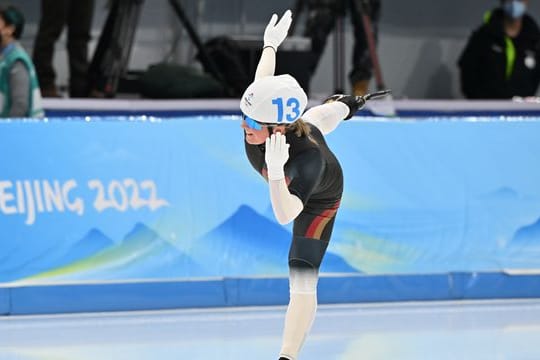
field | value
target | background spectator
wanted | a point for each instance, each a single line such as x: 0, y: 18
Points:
x: 500, y: 59
x: 55, y: 14
x: 19, y: 89
x: 322, y: 15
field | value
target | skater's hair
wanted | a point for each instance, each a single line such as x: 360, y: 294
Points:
x: 300, y: 128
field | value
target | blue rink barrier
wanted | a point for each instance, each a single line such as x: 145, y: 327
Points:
x: 159, y: 295
x: 5, y: 307
x: 132, y: 213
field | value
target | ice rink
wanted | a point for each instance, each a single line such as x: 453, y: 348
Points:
x: 476, y: 330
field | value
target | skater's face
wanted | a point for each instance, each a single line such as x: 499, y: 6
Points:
x: 257, y: 133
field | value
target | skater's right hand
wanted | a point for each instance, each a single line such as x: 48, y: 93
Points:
x: 276, y: 156
x: 275, y: 31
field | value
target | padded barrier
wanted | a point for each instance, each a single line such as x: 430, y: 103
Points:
x: 456, y: 203
x: 4, y: 301
x: 147, y: 295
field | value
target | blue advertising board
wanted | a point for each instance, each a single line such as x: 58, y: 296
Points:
x: 99, y: 199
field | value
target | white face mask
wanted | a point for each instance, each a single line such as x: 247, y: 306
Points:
x: 515, y: 8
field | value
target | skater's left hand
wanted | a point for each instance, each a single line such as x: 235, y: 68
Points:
x: 276, y: 32
x: 356, y: 103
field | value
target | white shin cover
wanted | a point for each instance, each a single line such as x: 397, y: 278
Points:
x: 301, y: 310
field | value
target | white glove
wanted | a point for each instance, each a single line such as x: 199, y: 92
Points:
x: 274, y: 34
x: 277, y: 154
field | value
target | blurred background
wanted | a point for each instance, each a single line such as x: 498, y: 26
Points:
x: 419, y: 40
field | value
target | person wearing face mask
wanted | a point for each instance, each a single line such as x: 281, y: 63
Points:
x: 287, y: 147
x: 19, y: 89
x: 501, y: 58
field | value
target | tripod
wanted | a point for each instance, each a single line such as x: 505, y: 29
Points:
x: 111, y: 58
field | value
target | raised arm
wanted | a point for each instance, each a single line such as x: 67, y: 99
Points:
x: 274, y: 34
x: 336, y: 108
x: 326, y: 117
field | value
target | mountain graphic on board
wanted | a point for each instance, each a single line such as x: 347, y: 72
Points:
x: 528, y: 236
x: 248, y: 243
x: 502, y: 193
x: 153, y: 257
x: 92, y: 243
x: 141, y: 254
x: 523, y: 250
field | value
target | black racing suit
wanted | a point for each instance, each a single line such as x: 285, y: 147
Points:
x: 314, y: 175
x: 486, y: 62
